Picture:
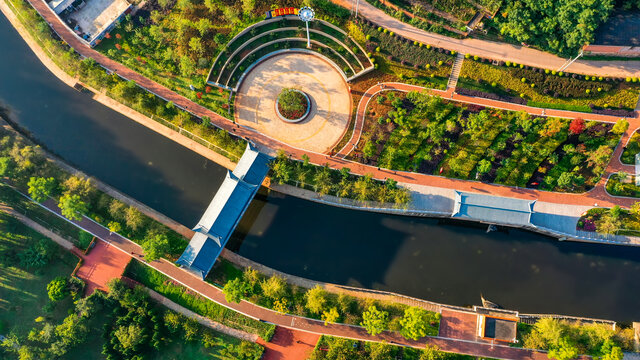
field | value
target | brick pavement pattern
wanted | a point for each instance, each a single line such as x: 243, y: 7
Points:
x: 288, y: 344
x: 103, y: 263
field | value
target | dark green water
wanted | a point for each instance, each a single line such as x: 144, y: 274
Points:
x: 419, y: 257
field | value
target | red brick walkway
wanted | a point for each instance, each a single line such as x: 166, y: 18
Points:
x: 458, y: 325
x: 288, y: 344
x: 598, y: 195
x: 103, y: 263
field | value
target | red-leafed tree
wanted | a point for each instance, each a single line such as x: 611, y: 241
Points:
x: 207, y: 89
x: 199, y: 95
x: 577, y: 126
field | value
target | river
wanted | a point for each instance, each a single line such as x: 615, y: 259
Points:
x: 440, y: 261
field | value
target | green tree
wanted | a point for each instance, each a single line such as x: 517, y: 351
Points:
x: 40, y: 188
x: 431, y: 352
x: 620, y: 126
x: 173, y: 321
x: 155, y: 247
x: 7, y: 166
x: 76, y: 185
x: 635, y: 209
x: 330, y: 316
x: 57, y: 288
x: 607, y: 224
x: 565, y: 350
x: 129, y: 336
x: 323, y: 180
x: 72, y: 206
x: 484, y: 166
x: 274, y: 287
x: 134, y: 219
x: 316, y: 299
x: 380, y: 351
x: 117, y: 210
x: 414, y: 323
x: 235, y: 290
x: 565, y: 180
x: 114, y: 226
x: 37, y: 255
x: 609, y: 351
x: 374, y: 321
x: 251, y: 276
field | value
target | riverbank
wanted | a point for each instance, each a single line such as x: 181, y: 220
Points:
x: 557, y: 220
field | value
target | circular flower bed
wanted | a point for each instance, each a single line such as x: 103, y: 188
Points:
x: 292, y: 105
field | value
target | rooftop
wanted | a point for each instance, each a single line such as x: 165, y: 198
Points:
x: 493, y: 209
x: 500, y: 329
x: 97, y: 15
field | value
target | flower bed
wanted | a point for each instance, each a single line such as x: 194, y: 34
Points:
x: 293, y: 105
x: 611, y: 221
x: 545, y: 88
x: 623, y: 184
x: 420, y: 133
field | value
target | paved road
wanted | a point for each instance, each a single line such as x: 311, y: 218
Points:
x: 492, y: 49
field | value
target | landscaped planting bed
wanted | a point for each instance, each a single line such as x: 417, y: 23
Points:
x: 623, y: 184
x: 408, y: 53
x: 420, y: 133
x: 549, y: 89
x: 340, y: 183
x: 332, y: 348
x: 615, y: 220
x: 277, y: 294
x: 631, y: 149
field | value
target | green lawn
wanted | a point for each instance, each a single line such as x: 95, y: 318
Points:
x: 23, y: 291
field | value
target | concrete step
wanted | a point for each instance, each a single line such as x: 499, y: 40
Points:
x: 455, y: 72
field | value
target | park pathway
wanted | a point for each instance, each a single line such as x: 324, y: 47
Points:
x: 298, y: 323
x: 493, y: 49
x: 268, y: 144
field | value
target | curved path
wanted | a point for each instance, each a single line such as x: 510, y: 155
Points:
x: 215, y: 294
x: 597, y: 195
x: 492, y: 49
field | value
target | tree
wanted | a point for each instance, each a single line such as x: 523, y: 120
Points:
x: 7, y: 166
x: 251, y: 276
x: 608, y: 224
x: 577, y: 126
x: 374, y: 321
x: 431, y: 352
x: 599, y: 157
x: 155, y: 247
x: 565, y: 350
x: 187, y: 66
x: 379, y: 351
x: 635, y: 209
x: 37, y: 255
x: 134, y: 218
x: 40, y: 188
x: 484, y: 166
x: 620, y: 126
x: 565, y: 180
x: 57, y: 288
x: 235, y: 290
x: 76, y: 185
x: 114, y: 226
x: 274, y: 287
x: 414, y: 323
x: 609, y: 351
x: 248, y: 5
x: 117, y: 210
x: 173, y: 321
x: 323, y: 180
x: 129, y: 336
x: 330, y: 316
x: 316, y: 299
x: 72, y: 206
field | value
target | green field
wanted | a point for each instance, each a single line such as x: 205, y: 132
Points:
x: 23, y: 291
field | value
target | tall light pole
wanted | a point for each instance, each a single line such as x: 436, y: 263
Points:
x: 357, y: 4
x: 307, y: 14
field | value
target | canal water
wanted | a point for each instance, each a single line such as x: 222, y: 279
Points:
x: 446, y: 262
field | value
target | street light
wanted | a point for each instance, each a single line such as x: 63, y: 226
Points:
x: 307, y: 14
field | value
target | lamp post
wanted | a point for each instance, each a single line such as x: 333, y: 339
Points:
x: 307, y: 14
x: 357, y: 5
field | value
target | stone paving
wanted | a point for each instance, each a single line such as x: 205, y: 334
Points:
x: 329, y: 94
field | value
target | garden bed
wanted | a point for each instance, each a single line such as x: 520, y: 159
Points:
x: 631, y: 149
x: 611, y: 221
x: 425, y: 134
x: 549, y: 89
x: 623, y: 184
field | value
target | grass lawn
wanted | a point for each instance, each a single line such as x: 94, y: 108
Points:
x: 23, y: 291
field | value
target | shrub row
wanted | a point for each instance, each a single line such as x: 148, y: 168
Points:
x: 492, y: 96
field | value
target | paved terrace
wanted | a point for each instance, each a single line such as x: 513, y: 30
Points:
x: 97, y: 15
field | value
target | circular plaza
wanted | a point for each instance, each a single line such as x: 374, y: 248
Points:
x: 325, y: 87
